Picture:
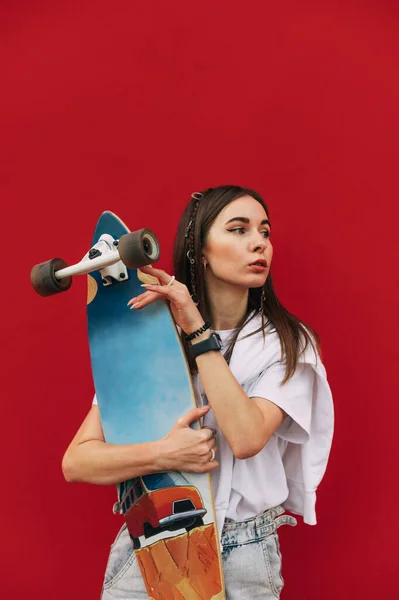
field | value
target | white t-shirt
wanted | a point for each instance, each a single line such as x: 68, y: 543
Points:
x: 291, y: 465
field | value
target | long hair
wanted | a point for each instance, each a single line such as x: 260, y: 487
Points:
x: 195, y: 222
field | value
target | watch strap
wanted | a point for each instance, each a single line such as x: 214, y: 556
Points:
x: 211, y: 343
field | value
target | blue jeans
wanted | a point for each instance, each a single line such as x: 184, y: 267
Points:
x: 251, y: 561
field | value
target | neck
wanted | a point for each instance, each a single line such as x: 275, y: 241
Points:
x: 228, y: 304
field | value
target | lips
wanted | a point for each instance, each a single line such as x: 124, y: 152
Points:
x: 259, y: 263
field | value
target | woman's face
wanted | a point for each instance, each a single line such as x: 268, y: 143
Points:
x: 237, y: 248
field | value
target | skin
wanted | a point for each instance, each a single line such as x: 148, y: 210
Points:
x: 247, y: 423
x: 230, y: 247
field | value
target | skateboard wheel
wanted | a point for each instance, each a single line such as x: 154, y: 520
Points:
x: 139, y: 248
x: 43, y: 278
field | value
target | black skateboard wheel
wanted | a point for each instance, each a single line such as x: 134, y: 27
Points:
x: 139, y: 248
x: 43, y: 278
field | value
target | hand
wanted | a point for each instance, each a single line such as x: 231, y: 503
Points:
x: 184, y: 311
x: 186, y: 449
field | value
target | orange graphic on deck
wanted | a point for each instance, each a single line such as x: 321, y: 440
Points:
x: 185, y: 567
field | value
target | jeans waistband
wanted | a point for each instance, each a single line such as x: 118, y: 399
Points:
x: 256, y: 528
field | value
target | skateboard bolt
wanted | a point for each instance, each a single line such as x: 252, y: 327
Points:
x: 94, y: 252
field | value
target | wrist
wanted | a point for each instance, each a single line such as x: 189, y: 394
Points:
x: 198, y: 331
x: 160, y: 454
x: 189, y: 330
x: 200, y: 338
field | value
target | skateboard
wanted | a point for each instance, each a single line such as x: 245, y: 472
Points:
x: 143, y: 386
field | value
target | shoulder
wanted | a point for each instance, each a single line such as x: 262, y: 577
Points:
x: 256, y: 349
x: 264, y: 347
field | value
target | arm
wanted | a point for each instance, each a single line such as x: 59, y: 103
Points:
x: 90, y: 459
x: 247, y: 423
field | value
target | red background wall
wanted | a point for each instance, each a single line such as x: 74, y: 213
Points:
x: 132, y: 106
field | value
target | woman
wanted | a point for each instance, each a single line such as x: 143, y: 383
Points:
x: 265, y: 401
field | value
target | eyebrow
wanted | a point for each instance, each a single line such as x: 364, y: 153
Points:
x: 245, y: 220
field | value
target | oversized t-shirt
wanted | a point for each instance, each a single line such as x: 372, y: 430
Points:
x: 291, y: 465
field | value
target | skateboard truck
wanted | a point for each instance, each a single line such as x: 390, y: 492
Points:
x: 111, y: 257
x: 107, y: 247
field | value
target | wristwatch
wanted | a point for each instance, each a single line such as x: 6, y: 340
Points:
x: 211, y: 343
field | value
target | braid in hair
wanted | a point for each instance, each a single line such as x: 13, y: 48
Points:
x: 190, y: 244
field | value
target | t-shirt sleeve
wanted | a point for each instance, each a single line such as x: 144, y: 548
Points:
x: 294, y: 397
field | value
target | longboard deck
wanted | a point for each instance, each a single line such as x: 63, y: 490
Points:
x: 143, y: 386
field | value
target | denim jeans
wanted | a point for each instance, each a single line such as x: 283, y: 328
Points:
x: 251, y: 561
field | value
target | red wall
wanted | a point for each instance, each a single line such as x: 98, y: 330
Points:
x: 131, y: 106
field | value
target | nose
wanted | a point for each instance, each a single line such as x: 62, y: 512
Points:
x: 259, y: 244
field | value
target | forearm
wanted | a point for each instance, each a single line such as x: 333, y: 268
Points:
x: 239, y: 418
x: 95, y: 461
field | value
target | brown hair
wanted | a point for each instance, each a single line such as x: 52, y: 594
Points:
x: 193, y: 227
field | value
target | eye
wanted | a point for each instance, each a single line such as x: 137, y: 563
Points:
x: 266, y: 233
x: 238, y: 229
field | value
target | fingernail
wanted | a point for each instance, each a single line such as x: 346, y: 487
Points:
x: 131, y: 301
x: 147, y: 285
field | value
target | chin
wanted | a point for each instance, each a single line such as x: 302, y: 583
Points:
x: 250, y: 285
x: 257, y: 282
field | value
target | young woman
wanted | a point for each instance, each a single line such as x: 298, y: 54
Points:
x: 259, y: 380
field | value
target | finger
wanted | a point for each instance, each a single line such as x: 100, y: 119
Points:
x: 205, y: 448
x: 163, y: 276
x: 208, y: 433
x: 212, y: 444
x: 144, y: 300
x: 138, y: 298
x: 164, y: 290
x: 192, y: 415
x: 212, y: 430
x: 213, y: 455
x: 145, y: 295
